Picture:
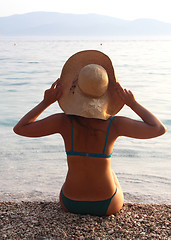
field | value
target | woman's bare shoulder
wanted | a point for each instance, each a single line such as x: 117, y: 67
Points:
x: 137, y: 128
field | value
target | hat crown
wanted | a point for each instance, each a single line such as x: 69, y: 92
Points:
x: 93, y: 80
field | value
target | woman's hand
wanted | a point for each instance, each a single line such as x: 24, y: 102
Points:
x: 54, y: 93
x: 126, y: 96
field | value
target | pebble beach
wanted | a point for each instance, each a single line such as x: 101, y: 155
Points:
x: 47, y: 220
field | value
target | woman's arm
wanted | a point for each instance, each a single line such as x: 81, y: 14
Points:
x: 29, y: 127
x: 150, y: 127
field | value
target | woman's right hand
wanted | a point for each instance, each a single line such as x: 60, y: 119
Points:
x: 54, y: 93
x: 126, y: 95
x: 29, y: 127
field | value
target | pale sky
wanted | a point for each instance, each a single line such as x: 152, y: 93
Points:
x: 123, y: 9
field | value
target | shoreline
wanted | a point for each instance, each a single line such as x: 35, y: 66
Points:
x: 47, y: 220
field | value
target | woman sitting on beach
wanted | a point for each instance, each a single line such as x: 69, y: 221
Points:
x: 90, y: 96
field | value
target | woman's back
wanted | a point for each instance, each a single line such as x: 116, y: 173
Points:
x: 88, y: 176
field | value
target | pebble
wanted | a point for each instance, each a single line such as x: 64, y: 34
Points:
x: 110, y: 231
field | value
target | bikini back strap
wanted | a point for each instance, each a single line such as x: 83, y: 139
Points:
x: 107, y: 134
x: 103, y: 155
x: 71, y: 134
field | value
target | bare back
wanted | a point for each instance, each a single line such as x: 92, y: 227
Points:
x: 88, y: 176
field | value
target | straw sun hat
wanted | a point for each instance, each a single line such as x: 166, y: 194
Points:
x: 88, y: 80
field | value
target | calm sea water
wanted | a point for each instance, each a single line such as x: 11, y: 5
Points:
x: 34, y: 169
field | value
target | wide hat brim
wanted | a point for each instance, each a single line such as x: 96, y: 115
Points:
x: 74, y: 102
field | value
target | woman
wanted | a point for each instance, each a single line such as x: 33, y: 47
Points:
x: 90, y: 96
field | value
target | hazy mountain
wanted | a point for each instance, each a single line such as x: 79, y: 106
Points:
x: 59, y: 24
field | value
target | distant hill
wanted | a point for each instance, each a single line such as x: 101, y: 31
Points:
x: 60, y: 24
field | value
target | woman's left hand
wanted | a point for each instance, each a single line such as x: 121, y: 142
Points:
x: 54, y: 93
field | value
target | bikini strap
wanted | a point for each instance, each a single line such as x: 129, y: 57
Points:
x: 107, y: 134
x: 71, y: 134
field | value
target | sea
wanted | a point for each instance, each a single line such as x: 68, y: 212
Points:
x: 34, y: 169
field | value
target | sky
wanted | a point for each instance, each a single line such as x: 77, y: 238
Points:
x: 123, y: 9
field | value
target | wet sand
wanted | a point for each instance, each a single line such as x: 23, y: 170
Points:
x: 46, y: 220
